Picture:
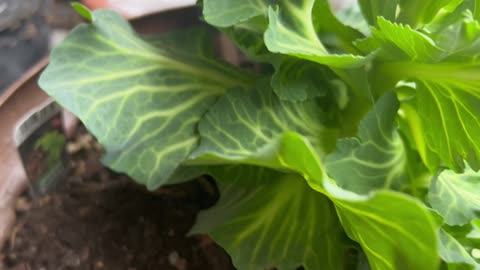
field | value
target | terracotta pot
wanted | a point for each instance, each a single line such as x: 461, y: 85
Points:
x: 19, y: 99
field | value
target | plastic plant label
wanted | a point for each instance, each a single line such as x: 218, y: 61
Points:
x: 40, y: 140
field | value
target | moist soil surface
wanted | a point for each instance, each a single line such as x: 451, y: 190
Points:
x: 97, y: 219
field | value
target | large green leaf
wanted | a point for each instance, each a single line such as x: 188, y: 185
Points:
x: 268, y: 219
x: 375, y: 221
x: 447, y: 20
x: 373, y: 8
x: 394, y: 230
x: 447, y: 95
x: 461, y: 37
x: 467, y: 236
x: 472, y: 239
x: 298, y: 80
x: 246, y: 126
x: 410, y: 124
x: 293, y: 29
x: 227, y: 13
x: 244, y: 22
x: 449, y: 105
x: 420, y: 165
x: 412, y: 12
x: 456, y: 196
x: 141, y: 97
x: 475, y: 233
x: 404, y: 42
x: 417, y: 13
x: 454, y: 254
x: 376, y: 158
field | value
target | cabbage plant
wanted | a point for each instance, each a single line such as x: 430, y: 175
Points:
x: 350, y: 141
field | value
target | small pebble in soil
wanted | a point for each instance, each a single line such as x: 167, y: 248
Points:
x: 175, y: 260
x: 99, y: 265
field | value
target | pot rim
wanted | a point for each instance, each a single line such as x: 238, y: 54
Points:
x: 17, y: 84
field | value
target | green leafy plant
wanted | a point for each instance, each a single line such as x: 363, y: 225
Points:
x: 354, y: 144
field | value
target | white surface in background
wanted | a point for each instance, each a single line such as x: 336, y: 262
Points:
x: 339, y: 4
x: 56, y: 36
x: 135, y: 8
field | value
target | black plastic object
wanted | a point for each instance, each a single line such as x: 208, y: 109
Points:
x: 23, y: 38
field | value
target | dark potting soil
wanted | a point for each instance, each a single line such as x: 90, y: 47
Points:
x: 97, y: 219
